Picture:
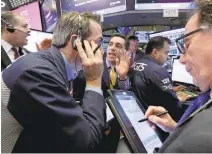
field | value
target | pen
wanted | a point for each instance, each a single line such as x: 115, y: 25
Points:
x: 160, y: 114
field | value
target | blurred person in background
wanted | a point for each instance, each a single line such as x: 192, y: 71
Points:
x: 132, y: 48
x: 193, y: 133
x: 14, y: 33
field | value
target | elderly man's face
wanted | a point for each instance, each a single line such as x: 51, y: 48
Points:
x: 198, y: 55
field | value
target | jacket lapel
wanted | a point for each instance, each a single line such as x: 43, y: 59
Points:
x: 59, y: 62
x: 105, y: 75
x: 4, y: 58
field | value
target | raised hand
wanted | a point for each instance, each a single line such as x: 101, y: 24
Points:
x: 122, y: 65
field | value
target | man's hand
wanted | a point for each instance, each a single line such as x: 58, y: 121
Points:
x: 179, y: 88
x: 182, y: 96
x: 165, y: 122
x: 92, y: 64
x: 122, y: 65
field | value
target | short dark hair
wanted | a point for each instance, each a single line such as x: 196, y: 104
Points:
x: 133, y: 38
x: 118, y: 35
x: 130, y: 38
x: 156, y: 43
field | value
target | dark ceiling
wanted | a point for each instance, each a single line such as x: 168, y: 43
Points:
x: 143, y: 18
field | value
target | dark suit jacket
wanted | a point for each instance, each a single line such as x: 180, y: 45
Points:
x: 41, y: 102
x: 5, y: 60
x: 80, y: 82
x: 194, y: 135
x: 139, y: 55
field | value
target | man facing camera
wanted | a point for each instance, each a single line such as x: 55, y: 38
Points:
x: 116, y: 66
x: 193, y: 133
x: 40, y: 85
x: 151, y: 82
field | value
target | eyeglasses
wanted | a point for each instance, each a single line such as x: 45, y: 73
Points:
x: 180, y: 41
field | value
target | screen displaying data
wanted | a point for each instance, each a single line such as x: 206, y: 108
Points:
x: 172, y: 35
x: 36, y: 37
x: 145, y: 130
x: 98, y: 6
x: 179, y: 73
x: 164, y: 4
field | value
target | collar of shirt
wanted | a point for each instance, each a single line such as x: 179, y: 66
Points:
x: 7, y: 47
x: 108, y: 63
x: 69, y: 68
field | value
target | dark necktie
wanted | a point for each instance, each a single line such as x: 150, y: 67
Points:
x: 15, y: 53
x: 131, y: 59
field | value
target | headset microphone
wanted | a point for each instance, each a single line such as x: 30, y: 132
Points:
x: 11, y: 29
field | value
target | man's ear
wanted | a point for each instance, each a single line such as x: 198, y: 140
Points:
x: 154, y: 53
x: 72, y: 41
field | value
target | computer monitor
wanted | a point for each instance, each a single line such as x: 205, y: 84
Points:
x: 97, y: 6
x: 164, y: 4
x: 179, y: 73
x: 172, y: 35
x: 36, y: 37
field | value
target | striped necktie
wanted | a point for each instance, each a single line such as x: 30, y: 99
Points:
x: 15, y: 53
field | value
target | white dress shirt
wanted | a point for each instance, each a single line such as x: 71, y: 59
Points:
x: 8, y: 49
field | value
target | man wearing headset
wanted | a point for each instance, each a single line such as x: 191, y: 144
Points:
x: 40, y: 98
x: 14, y: 32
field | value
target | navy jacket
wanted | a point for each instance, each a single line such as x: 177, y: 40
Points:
x: 41, y: 102
x: 153, y: 86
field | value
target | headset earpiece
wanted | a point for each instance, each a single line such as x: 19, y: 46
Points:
x: 74, y: 44
x: 10, y: 28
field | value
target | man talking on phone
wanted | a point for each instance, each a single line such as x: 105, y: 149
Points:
x: 193, y: 132
x: 40, y: 85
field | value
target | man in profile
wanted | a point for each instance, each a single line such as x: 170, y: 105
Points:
x: 151, y: 82
x: 40, y: 85
x: 14, y: 33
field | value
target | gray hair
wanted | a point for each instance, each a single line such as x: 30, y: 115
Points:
x: 8, y: 17
x: 205, y: 12
x: 69, y: 24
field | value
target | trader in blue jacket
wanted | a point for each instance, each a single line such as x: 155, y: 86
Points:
x: 151, y: 82
x: 40, y: 85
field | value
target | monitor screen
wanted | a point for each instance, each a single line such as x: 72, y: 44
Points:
x: 164, y: 4
x: 105, y: 43
x: 172, y: 35
x: 98, y: 6
x: 145, y: 130
x: 143, y: 36
x: 32, y: 13
x: 36, y: 37
x: 179, y: 73
x: 49, y: 10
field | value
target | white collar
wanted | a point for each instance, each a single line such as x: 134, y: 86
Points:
x: 7, y: 47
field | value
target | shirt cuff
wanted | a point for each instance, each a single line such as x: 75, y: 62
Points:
x: 95, y: 89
